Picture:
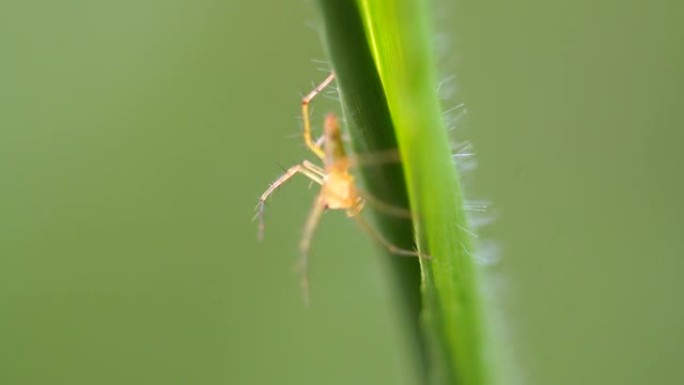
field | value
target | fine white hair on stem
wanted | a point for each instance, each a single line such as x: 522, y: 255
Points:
x: 454, y: 108
x: 463, y: 157
x: 323, y: 65
x: 321, y: 61
x: 454, y: 115
x: 476, y: 205
x: 333, y: 93
x: 446, y: 88
x: 463, y: 150
x: 442, y: 83
x: 467, y: 231
x: 488, y: 253
x: 481, y: 219
x: 315, y: 26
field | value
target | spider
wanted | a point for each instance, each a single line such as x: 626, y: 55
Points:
x: 338, y: 189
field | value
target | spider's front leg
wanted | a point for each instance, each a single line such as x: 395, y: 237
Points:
x: 315, y: 147
x: 307, y: 169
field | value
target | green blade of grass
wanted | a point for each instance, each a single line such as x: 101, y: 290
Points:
x: 380, y: 50
x: 400, y: 40
x: 368, y: 120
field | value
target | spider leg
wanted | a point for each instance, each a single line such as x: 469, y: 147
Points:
x: 305, y: 243
x: 384, y: 207
x: 319, y: 141
x: 313, y: 146
x: 392, y: 248
x: 292, y: 171
x: 312, y: 167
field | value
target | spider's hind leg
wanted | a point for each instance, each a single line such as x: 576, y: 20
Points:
x: 305, y: 244
x: 391, y: 247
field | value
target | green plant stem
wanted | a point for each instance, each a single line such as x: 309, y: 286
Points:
x: 380, y: 50
x: 368, y: 120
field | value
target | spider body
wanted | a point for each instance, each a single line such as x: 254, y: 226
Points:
x: 338, y: 188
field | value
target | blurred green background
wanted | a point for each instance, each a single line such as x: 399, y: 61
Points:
x: 136, y: 137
